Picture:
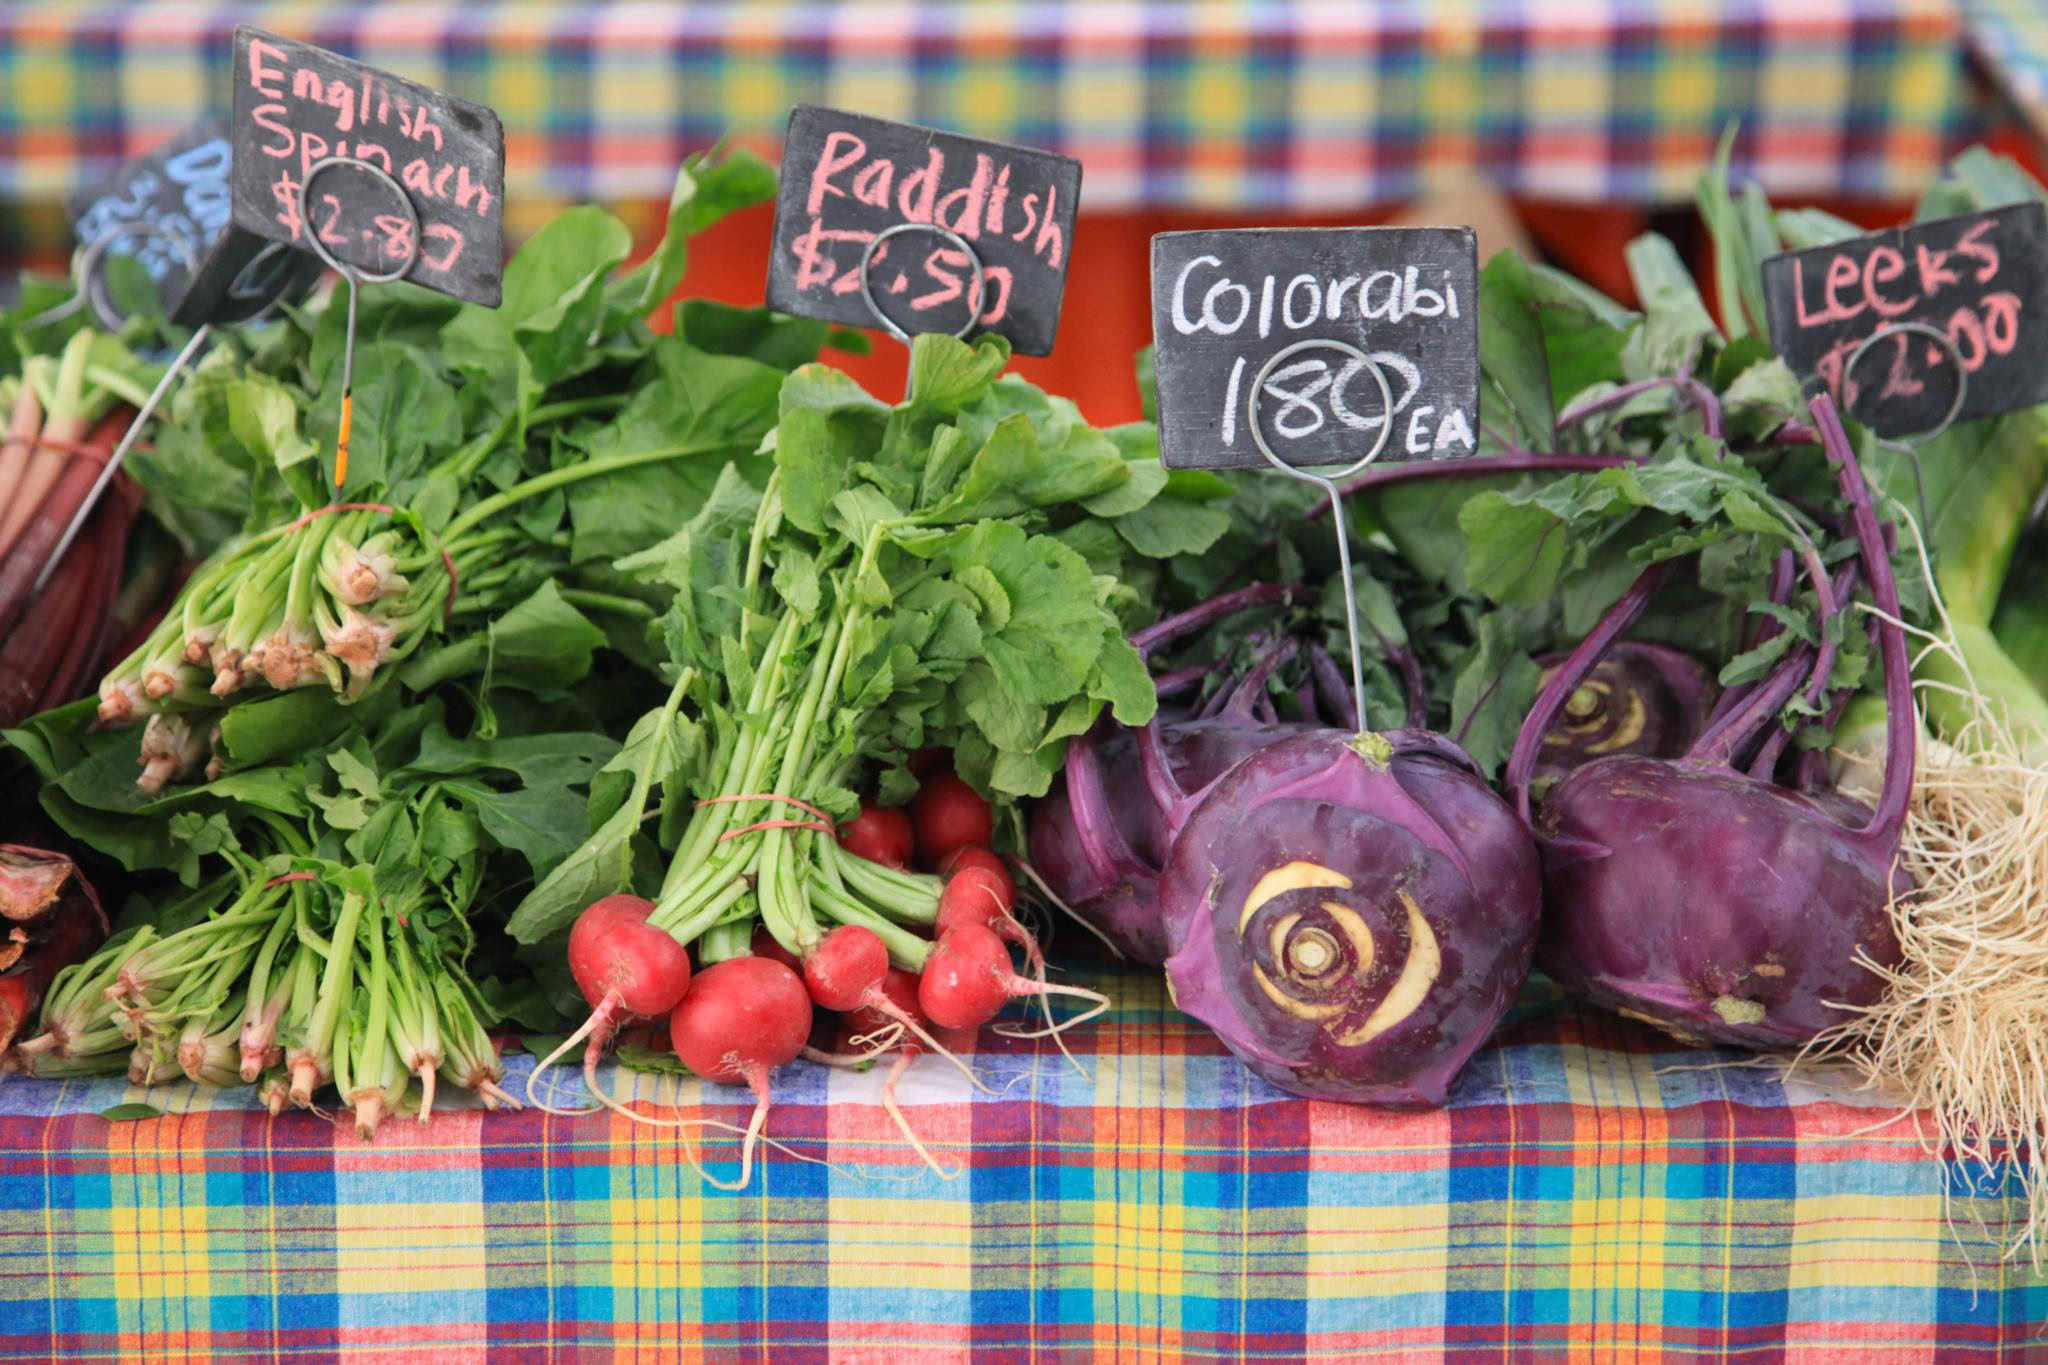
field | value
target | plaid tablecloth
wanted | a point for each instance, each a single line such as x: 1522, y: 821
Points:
x: 2010, y: 40
x: 1237, y: 105
x: 1592, y: 1194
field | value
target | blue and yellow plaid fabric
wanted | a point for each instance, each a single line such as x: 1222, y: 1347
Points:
x: 1236, y: 105
x: 1593, y: 1194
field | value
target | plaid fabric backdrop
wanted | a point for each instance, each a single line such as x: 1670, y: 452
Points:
x: 2010, y: 39
x: 1224, y: 104
x: 1592, y: 1194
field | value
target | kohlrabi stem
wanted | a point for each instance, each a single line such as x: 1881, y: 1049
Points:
x: 1094, y: 826
x: 1330, y: 684
x: 1181, y: 679
x: 1702, y: 398
x: 1717, y: 744
x: 1521, y: 766
x: 1215, y: 609
x: 1901, y: 724
x: 1475, y: 467
x: 1252, y: 685
x: 1165, y: 791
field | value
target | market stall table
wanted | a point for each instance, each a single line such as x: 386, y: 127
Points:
x: 1592, y: 1192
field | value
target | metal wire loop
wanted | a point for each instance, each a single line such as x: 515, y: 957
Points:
x: 1258, y: 389
x: 90, y: 284
x: 311, y: 234
x: 1948, y: 347
x: 867, y: 291
x: 266, y: 276
x: 1328, y: 482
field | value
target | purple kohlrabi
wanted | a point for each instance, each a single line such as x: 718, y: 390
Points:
x: 1352, y: 913
x: 1708, y: 901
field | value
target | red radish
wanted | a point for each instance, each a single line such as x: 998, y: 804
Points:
x: 848, y: 971
x: 765, y: 945
x: 948, y: 814
x: 739, y: 1020
x: 968, y: 978
x: 624, y: 967
x: 901, y: 989
x: 973, y: 855
x: 846, y: 967
x: 980, y: 895
x: 881, y: 834
x: 977, y: 896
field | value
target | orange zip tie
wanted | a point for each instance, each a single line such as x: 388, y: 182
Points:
x: 776, y: 824
x: 762, y: 796
x: 348, y: 407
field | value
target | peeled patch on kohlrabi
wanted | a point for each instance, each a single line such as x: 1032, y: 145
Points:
x: 1641, y: 699
x: 1352, y: 914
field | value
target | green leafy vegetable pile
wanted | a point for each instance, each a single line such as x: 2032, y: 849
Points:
x: 394, y: 700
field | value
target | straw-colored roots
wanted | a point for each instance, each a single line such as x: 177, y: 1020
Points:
x: 1962, y: 1030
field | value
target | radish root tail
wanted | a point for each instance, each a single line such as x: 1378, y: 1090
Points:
x: 1037, y: 881
x: 903, y: 1124
x: 598, y: 1029
x: 890, y: 1008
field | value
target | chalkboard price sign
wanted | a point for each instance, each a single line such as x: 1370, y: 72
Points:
x: 296, y: 105
x: 175, y: 196
x: 847, y: 178
x: 1224, y: 303
x: 1980, y: 279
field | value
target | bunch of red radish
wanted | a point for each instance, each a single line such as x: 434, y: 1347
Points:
x: 738, y: 1020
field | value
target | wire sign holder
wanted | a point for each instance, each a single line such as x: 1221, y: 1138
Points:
x: 870, y: 254
x: 1245, y: 323
x: 1255, y: 427
x: 1001, y: 216
x: 89, y: 279
x: 1909, y: 443
x: 355, y: 279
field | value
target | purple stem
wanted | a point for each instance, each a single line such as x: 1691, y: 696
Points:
x: 1811, y: 772
x: 1305, y: 698
x: 1796, y: 434
x: 1716, y: 744
x: 1181, y: 679
x: 1215, y: 609
x: 1334, y: 685
x: 1213, y: 706
x: 1702, y: 398
x: 1766, y: 762
x: 1760, y: 628
x: 1252, y: 687
x: 1895, y: 797
x: 1501, y: 439
x: 1159, y: 780
x: 1477, y: 467
x: 1094, y: 827
x: 1572, y: 672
